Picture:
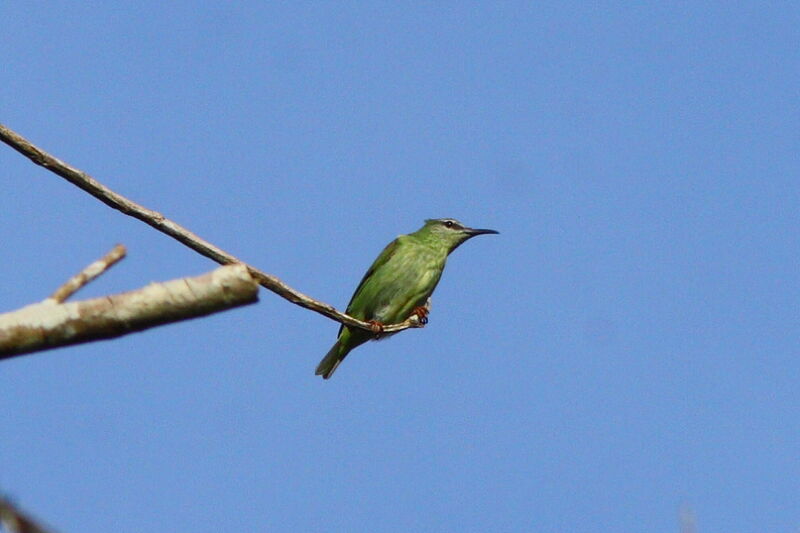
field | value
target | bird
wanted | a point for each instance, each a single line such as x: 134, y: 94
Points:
x: 398, y: 284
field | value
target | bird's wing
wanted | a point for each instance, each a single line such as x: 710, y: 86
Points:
x: 381, y: 260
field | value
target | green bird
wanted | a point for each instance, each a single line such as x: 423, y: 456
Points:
x: 398, y: 284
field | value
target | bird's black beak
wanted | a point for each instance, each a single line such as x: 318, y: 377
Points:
x: 472, y: 232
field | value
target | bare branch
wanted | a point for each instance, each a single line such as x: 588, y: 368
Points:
x: 15, y: 521
x: 50, y: 324
x: 88, y: 274
x: 181, y: 234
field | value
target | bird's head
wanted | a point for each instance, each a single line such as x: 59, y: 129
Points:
x: 451, y: 232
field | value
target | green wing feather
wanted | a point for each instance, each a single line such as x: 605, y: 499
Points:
x: 347, y: 338
x: 381, y: 260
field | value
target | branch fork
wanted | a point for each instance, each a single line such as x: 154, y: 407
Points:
x: 53, y: 322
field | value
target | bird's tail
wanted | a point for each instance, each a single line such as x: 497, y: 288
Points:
x: 331, y: 361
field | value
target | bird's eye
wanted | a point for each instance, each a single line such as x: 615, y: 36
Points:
x: 448, y: 223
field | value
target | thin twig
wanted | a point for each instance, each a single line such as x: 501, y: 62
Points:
x: 89, y: 273
x: 158, y: 221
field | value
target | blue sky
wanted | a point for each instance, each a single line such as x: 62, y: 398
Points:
x: 626, y: 346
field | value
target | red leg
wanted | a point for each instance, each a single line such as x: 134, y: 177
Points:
x: 422, y: 313
x: 377, y: 327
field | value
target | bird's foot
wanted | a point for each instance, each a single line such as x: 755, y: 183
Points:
x: 376, y: 327
x: 422, y: 314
